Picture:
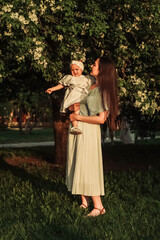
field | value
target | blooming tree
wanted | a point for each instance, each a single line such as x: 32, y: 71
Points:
x: 38, y: 39
x: 134, y: 28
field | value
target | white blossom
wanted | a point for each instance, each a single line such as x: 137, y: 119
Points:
x: 142, y: 45
x: 43, y: 62
x: 14, y: 15
x: 32, y: 15
x: 124, y: 90
x: 128, y: 29
x: 60, y: 75
x: 101, y: 35
x: 52, y: 3
x: 7, y: 8
x: 38, y: 42
x: 127, y: 6
x: 137, y: 18
x: 20, y: 58
x: 137, y: 81
x: 23, y: 20
x: 137, y: 104
x: 123, y: 46
x: 60, y: 37
x: 134, y: 25
x: 102, y: 52
x: 9, y: 33
x: 120, y: 26
x: 145, y: 107
x: 43, y: 7
x: 38, y: 53
x: 24, y: 29
x: 152, y: 79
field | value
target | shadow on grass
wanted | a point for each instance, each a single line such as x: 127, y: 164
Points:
x: 130, y: 156
x: 35, y: 176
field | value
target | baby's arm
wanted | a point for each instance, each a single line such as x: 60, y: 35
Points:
x: 58, y: 87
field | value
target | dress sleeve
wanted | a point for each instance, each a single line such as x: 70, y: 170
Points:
x: 94, y: 103
x: 66, y: 80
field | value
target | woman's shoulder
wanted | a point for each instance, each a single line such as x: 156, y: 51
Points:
x: 95, y: 91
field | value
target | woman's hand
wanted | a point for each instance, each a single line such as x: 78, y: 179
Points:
x: 73, y: 117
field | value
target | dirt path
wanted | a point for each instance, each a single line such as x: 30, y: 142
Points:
x: 26, y: 144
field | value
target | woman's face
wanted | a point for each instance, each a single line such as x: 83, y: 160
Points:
x: 95, y: 68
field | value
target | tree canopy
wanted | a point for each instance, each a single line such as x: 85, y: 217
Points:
x: 38, y: 39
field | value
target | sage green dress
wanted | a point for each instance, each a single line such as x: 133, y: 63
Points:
x: 84, y: 171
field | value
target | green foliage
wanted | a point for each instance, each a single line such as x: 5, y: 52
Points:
x: 39, y: 38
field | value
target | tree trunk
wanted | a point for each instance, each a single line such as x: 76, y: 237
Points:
x: 60, y: 129
x: 20, y: 119
x: 61, y: 136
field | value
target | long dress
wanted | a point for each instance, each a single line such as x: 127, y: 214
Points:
x: 84, y: 171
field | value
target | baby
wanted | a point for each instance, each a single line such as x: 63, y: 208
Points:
x: 77, y: 85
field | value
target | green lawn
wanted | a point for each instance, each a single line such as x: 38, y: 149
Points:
x: 46, y: 134
x: 37, y: 135
x: 35, y: 204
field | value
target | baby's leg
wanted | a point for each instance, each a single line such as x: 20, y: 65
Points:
x: 75, y: 130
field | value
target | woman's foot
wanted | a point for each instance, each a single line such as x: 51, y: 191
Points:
x: 83, y: 206
x: 96, y: 212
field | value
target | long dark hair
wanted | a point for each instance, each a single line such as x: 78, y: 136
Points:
x: 107, y: 81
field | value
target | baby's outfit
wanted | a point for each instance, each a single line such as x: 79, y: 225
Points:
x: 77, y: 89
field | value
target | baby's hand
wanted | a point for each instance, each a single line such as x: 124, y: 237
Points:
x: 49, y: 91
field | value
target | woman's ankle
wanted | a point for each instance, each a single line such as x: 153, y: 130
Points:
x: 85, y: 200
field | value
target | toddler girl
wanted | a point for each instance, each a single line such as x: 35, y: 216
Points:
x: 77, y: 88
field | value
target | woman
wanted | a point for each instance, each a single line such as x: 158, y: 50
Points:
x: 84, y: 172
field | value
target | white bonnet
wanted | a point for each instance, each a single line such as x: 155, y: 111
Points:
x: 78, y: 63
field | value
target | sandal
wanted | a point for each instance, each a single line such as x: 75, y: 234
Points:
x: 75, y: 131
x: 83, y: 206
x: 96, y: 213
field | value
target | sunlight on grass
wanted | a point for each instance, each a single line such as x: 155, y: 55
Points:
x: 35, y: 204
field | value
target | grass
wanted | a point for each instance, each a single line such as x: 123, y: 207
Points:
x: 35, y: 204
x: 37, y: 135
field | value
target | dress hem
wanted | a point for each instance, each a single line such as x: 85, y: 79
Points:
x: 80, y: 193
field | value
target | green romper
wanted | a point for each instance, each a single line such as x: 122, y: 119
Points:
x: 84, y: 171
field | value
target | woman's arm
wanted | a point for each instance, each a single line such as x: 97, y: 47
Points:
x: 100, y: 119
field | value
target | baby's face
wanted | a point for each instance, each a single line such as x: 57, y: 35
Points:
x: 75, y: 70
